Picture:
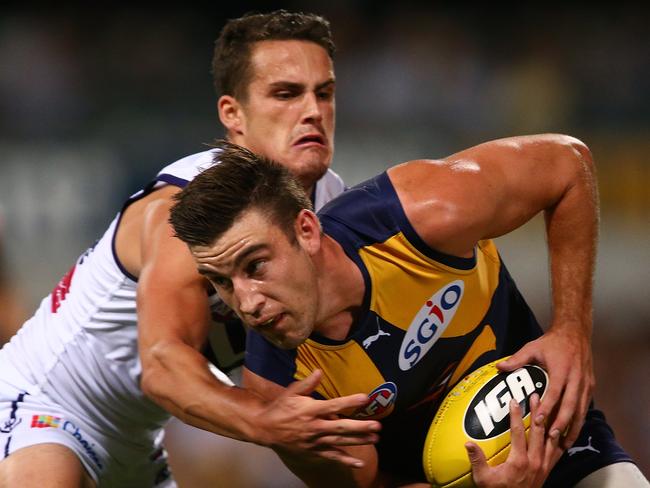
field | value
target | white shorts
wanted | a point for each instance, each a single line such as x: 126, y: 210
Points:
x: 27, y: 420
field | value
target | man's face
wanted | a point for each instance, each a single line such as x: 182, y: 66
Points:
x: 267, y: 280
x: 288, y: 114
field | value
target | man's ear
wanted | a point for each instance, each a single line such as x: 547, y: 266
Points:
x: 308, y: 231
x: 231, y: 114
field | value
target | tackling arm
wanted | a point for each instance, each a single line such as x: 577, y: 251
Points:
x: 173, y: 320
x: 320, y: 471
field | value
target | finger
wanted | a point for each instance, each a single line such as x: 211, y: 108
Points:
x: 517, y: 433
x: 578, y: 419
x: 340, y: 456
x: 344, y: 427
x: 551, y: 399
x: 306, y: 385
x: 536, y: 434
x: 567, y: 408
x: 477, y: 460
x: 347, y: 439
x: 517, y: 360
x: 552, y: 452
x: 572, y: 434
x: 342, y: 404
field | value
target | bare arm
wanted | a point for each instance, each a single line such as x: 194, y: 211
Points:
x: 173, y: 322
x: 317, y: 471
x: 491, y: 189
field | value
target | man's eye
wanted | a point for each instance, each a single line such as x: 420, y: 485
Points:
x: 328, y: 95
x: 256, y: 267
x: 284, y: 95
x: 221, y: 282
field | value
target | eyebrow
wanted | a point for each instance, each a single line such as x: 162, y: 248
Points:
x: 238, y: 260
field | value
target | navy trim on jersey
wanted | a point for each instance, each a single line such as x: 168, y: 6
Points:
x: 386, y: 187
x: 150, y: 187
x: 172, y: 180
x: 113, y: 238
x: 338, y: 232
x: 374, y: 211
x: 9, y: 424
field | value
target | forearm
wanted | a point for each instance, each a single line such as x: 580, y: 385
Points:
x: 177, y: 377
x: 317, y: 472
x: 572, y: 228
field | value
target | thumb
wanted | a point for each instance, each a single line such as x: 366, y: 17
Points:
x: 476, y: 458
x: 306, y: 385
x: 513, y: 362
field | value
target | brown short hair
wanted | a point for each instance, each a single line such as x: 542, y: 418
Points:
x: 231, y: 67
x: 209, y: 205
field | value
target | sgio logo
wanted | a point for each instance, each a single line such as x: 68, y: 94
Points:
x: 429, y: 324
x: 488, y: 413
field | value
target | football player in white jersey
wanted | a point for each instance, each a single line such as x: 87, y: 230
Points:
x: 89, y: 381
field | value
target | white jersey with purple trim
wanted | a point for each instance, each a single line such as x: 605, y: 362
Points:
x: 79, y: 354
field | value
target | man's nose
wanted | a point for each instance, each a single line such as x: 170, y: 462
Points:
x: 312, y: 110
x: 249, y: 298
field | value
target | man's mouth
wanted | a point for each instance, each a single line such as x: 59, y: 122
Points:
x: 312, y: 138
x: 270, y: 322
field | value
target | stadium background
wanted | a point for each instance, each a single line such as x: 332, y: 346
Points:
x: 93, y: 103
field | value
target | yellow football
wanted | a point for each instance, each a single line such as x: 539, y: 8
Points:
x: 477, y: 409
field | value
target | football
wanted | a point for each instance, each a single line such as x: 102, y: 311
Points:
x: 477, y: 410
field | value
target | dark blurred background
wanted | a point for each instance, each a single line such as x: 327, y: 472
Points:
x: 94, y: 102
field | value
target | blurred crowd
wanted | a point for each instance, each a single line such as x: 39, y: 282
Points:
x: 93, y: 103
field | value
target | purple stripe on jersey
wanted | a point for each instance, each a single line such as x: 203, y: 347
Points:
x: 172, y: 180
x: 165, y: 178
x: 114, y: 251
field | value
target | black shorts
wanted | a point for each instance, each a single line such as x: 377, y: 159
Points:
x: 595, y: 448
x: 401, y: 442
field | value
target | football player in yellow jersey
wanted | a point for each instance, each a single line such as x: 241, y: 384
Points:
x: 401, y: 292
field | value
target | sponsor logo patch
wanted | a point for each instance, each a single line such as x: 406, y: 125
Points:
x: 61, y: 289
x: 382, y: 401
x: 43, y: 421
x: 429, y: 323
x: 50, y: 421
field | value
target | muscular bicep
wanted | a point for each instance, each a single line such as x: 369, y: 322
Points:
x: 172, y: 297
x: 488, y: 190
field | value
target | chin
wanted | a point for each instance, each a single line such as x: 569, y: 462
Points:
x: 310, y: 171
x: 292, y: 342
x: 288, y: 342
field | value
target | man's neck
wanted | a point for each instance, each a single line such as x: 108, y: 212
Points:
x: 341, y: 291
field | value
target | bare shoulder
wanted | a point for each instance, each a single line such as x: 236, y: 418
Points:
x: 438, y: 198
x: 489, y: 189
x: 138, y: 222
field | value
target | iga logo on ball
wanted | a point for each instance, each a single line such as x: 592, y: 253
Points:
x: 488, y: 413
x: 477, y: 410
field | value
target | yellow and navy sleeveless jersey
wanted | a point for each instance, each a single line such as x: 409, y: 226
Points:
x: 427, y: 319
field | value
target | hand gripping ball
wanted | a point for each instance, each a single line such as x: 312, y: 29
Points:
x: 477, y: 409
